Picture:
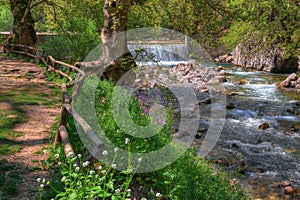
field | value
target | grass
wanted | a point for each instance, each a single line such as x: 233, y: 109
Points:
x: 9, y: 179
x: 189, y: 177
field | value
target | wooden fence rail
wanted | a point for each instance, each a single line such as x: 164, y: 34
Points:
x: 25, y: 50
x: 54, y: 65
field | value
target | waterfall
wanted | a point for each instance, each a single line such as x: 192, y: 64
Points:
x: 166, y: 54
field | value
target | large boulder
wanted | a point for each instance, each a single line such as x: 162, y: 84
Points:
x: 270, y: 60
x: 292, y: 81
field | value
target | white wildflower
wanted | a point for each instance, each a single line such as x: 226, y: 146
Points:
x: 85, y: 164
x: 127, y: 140
x: 79, y: 155
x: 117, y: 191
x: 100, y: 167
x: 70, y: 154
x: 129, y: 190
x: 92, y: 172
x: 77, y: 169
x: 140, y: 160
x: 158, y: 194
x: 105, y: 153
x: 74, y: 165
x: 42, y: 186
x: 114, y: 166
x: 63, y: 179
x: 56, y: 156
x: 103, y: 171
x: 45, y: 151
x: 43, y: 181
x: 131, y: 170
x: 38, y: 180
x: 143, y: 198
x: 59, y: 163
x: 116, y: 149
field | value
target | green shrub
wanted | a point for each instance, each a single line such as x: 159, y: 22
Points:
x: 6, y: 18
x: 74, y: 45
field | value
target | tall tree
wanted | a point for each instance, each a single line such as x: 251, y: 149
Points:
x: 23, y: 25
x: 115, y: 21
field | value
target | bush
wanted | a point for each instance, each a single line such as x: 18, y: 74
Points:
x: 6, y: 18
x: 73, y: 46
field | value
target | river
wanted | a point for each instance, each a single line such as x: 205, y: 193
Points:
x: 261, y: 157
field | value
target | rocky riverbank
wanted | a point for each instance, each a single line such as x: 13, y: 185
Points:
x: 270, y: 60
x: 292, y: 81
x: 191, y: 74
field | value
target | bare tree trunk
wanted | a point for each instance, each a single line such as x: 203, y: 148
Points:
x: 23, y: 27
x: 115, y: 21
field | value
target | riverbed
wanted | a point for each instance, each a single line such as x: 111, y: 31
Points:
x: 260, y: 141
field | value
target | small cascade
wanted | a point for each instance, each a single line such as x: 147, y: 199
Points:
x: 166, y: 54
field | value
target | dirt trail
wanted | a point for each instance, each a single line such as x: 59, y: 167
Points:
x: 23, y: 78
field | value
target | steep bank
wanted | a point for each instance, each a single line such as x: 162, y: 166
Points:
x: 271, y: 60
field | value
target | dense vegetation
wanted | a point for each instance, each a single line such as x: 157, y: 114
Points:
x: 211, y: 22
x: 190, y: 177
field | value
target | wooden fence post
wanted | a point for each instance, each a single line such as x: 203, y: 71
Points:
x: 63, y: 113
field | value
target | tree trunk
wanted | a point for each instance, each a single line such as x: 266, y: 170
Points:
x: 23, y: 27
x: 115, y: 21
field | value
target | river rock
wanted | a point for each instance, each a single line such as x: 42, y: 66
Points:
x: 190, y: 74
x: 288, y: 190
x: 227, y: 58
x: 241, y: 82
x: 292, y: 77
x: 230, y: 106
x: 295, y: 127
x: 292, y: 81
x: 220, y: 68
x: 264, y: 126
x: 270, y: 60
x: 286, y: 183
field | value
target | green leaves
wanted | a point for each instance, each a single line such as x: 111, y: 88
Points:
x: 265, y: 23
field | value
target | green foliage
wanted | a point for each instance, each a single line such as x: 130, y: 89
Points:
x: 83, y: 180
x: 236, y: 34
x: 190, y: 177
x: 202, y: 19
x: 9, y: 179
x: 137, y: 113
x: 76, y: 24
x: 74, y: 46
x: 6, y: 18
x: 269, y: 23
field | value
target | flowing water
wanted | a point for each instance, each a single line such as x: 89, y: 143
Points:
x: 262, y: 157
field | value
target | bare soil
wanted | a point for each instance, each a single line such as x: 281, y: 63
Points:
x: 25, y: 77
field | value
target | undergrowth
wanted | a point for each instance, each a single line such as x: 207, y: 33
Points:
x: 189, y: 177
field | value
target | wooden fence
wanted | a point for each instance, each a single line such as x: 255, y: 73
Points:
x: 56, y: 66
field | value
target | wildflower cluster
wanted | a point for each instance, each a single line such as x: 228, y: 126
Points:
x: 83, y: 179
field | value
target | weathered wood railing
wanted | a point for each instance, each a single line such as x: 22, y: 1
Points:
x: 54, y: 66
x: 25, y: 50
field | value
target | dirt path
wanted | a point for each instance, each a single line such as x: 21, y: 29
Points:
x: 26, y: 95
